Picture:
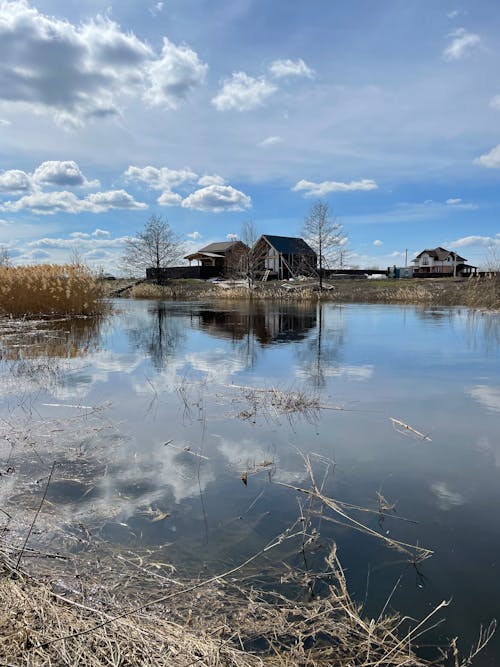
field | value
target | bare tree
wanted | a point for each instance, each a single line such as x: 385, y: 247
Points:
x: 325, y: 236
x: 249, y: 237
x: 155, y: 246
x: 5, y: 256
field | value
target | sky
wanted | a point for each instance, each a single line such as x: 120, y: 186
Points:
x: 210, y: 113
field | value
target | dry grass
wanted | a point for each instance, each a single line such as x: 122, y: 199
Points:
x: 49, y: 290
x: 209, y: 623
x: 473, y: 292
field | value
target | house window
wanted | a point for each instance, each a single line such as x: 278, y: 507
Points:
x: 425, y: 261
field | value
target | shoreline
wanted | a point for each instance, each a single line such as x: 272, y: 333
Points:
x: 481, y: 293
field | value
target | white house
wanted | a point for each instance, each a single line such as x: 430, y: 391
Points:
x: 439, y: 261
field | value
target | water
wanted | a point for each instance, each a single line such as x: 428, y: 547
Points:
x: 164, y: 424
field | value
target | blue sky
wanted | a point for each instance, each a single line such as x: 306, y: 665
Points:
x: 213, y: 112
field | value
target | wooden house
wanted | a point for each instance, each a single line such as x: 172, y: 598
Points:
x: 283, y: 257
x: 229, y: 257
x: 438, y: 262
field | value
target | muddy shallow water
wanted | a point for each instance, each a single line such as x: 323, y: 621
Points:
x: 167, y: 437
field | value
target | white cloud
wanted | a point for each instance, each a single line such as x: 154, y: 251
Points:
x: 270, y: 141
x: 77, y: 72
x: 490, y: 160
x: 495, y: 102
x: 174, y: 75
x: 162, y: 178
x: 157, y: 9
x: 194, y: 235
x: 169, y: 198
x: 453, y: 14
x: 232, y: 237
x: 114, y: 199
x: 85, y: 244
x: 466, y: 241
x: 48, y: 203
x: 287, y: 67
x: 15, y: 181
x: 215, y: 179
x: 462, y: 44
x: 61, y: 173
x: 456, y: 202
x: 101, y: 233
x: 4, y: 122
x: 321, y: 189
x: 378, y: 242
x: 217, y: 198
x: 243, y: 92
x: 79, y: 235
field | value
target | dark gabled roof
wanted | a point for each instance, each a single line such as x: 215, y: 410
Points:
x: 289, y: 245
x: 441, y: 254
x: 221, y: 247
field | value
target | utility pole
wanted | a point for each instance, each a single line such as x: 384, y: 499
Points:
x: 406, y: 257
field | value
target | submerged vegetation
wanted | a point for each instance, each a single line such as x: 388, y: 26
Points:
x: 91, y: 602
x: 49, y: 290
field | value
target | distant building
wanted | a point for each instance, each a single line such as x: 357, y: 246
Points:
x: 439, y: 262
x: 229, y: 257
x: 283, y: 257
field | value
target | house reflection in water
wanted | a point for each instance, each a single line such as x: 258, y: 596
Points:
x: 268, y: 322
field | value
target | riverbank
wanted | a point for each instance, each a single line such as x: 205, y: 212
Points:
x: 473, y: 293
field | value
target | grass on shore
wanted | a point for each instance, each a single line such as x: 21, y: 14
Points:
x: 49, y: 290
x: 471, y: 292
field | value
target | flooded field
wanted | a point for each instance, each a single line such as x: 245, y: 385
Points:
x: 186, y: 435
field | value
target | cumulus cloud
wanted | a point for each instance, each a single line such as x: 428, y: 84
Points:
x: 215, y: 179
x: 15, y: 181
x: 114, y: 199
x: 161, y: 178
x: 194, y: 235
x: 174, y: 75
x: 217, y: 198
x: 490, y: 160
x: 378, y: 242
x: 242, y: 93
x: 61, y: 174
x: 312, y: 189
x: 454, y: 201
x: 82, y: 71
x: 169, y: 198
x: 232, y: 237
x: 285, y: 68
x: 461, y: 45
x: 48, y: 203
x: 101, y: 233
x: 270, y: 141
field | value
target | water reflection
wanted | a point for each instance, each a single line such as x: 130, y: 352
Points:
x: 160, y: 336
x: 63, y: 339
x: 267, y: 322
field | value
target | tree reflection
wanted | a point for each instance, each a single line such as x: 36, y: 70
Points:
x: 322, y: 350
x: 160, y: 336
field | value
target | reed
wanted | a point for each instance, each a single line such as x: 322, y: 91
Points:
x: 49, y: 290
